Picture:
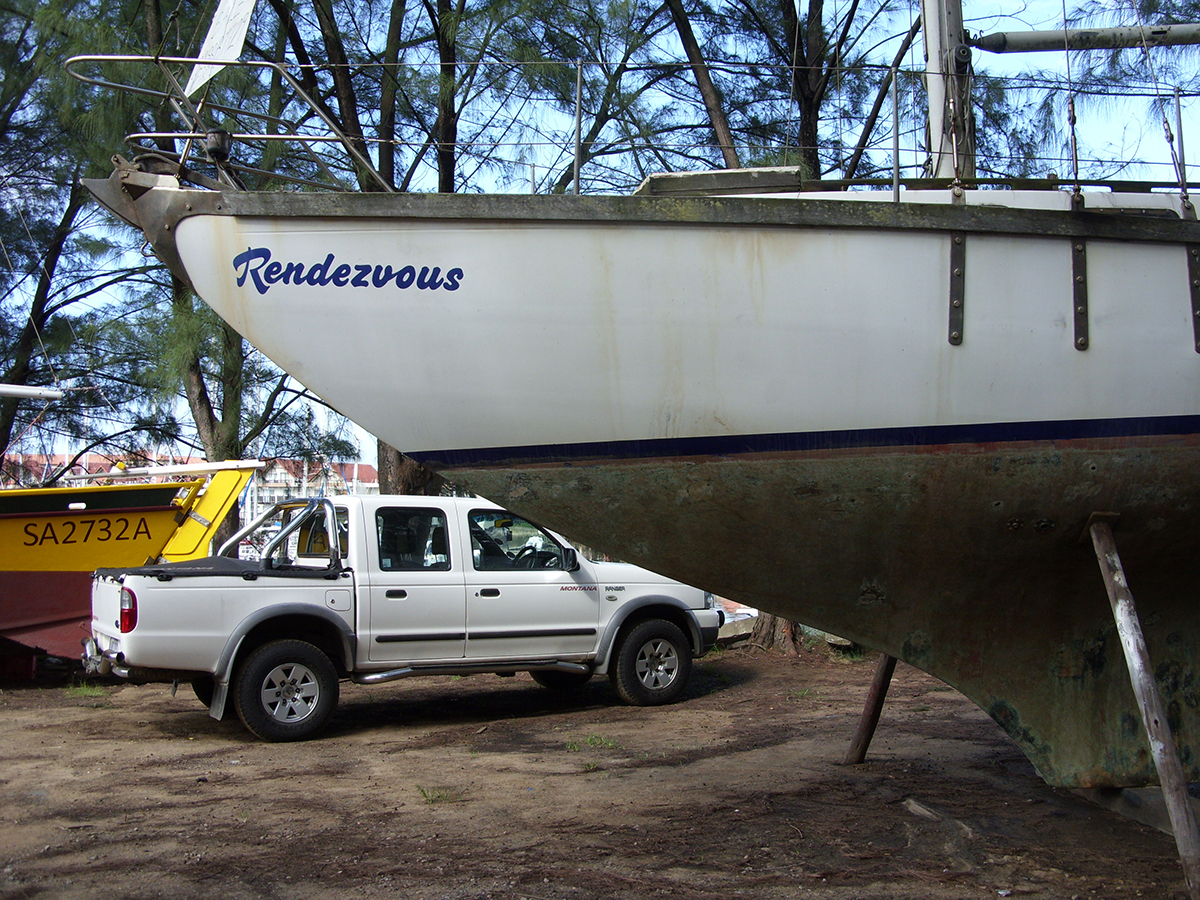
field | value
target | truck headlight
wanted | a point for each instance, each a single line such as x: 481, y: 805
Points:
x: 709, y: 600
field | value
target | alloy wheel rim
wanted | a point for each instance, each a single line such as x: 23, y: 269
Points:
x: 290, y: 692
x: 657, y: 664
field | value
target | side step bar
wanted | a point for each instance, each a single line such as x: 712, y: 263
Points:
x: 410, y: 671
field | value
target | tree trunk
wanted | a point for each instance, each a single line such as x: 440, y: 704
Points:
x: 218, y: 428
x: 808, y: 46
x: 445, y: 24
x: 708, y: 91
x: 343, y: 86
x: 387, y: 94
x: 777, y: 633
x: 400, y: 475
x: 40, y: 312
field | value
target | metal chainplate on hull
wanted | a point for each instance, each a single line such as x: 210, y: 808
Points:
x: 965, y: 562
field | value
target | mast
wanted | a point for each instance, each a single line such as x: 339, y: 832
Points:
x: 948, y: 83
x: 1088, y: 38
x: 24, y: 392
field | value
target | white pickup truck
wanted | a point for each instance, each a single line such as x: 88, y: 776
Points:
x: 411, y: 586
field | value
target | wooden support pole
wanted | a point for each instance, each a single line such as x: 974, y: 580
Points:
x: 871, y: 710
x: 1150, y: 704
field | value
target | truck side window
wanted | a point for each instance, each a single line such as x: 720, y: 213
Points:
x: 501, y: 541
x: 412, y: 540
x: 313, y: 539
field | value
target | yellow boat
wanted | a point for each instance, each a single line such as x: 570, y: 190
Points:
x: 53, y: 538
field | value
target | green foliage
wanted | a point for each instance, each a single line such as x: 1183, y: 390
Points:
x: 81, y: 308
x: 85, y: 690
x: 433, y: 795
x: 593, y: 742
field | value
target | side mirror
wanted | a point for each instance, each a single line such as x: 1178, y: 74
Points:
x: 570, y: 559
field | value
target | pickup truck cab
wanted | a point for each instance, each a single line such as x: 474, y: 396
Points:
x: 376, y: 588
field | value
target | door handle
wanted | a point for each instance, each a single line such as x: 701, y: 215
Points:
x: 489, y: 592
x: 396, y: 595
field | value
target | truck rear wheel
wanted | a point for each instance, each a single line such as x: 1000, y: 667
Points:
x: 285, y: 691
x: 653, y: 663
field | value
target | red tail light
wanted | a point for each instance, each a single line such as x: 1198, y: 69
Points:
x: 128, y: 610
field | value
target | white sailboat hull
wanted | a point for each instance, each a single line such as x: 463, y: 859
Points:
x: 592, y: 333
x: 891, y: 421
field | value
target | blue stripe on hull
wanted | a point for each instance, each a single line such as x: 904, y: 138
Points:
x: 913, y: 438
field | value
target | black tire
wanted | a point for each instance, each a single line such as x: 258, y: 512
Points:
x: 558, y: 680
x: 285, y: 691
x: 652, y: 664
x: 203, y: 687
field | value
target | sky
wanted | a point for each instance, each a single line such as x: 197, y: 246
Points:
x: 1131, y: 127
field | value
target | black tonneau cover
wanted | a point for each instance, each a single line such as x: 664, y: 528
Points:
x: 248, y: 569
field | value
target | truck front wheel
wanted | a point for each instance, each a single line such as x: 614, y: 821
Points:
x: 652, y: 664
x: 285, y: 691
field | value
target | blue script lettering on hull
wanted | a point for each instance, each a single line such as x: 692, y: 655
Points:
x: 256, y: 264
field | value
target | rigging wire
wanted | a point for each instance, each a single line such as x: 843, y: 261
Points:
x: 12, y: 268
x: 1077, y: 194
x: 91, y: 367
x: 30, y: 426
x: 913, y: 100
x: 837, y: 82
x: 32, y: 423
x: 202, y: 19
x: 42, y: 345
x: 1162, y: 104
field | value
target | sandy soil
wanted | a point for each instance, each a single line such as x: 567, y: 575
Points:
x: 490, y: 787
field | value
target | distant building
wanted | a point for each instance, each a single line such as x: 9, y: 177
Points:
x: 284, y: 478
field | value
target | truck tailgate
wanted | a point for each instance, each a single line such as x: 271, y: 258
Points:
x: 106, y: 606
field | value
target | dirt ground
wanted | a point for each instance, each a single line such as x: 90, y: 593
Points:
x: 490, y: 787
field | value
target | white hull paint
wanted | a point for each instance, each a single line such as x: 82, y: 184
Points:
x: 594, y: 333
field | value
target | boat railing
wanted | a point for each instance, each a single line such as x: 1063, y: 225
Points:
x: 215, y: 143
x: 207, y: 148
x: 177, y: 470
x: 657, y: 187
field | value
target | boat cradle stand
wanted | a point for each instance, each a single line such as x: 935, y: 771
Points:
x: 1150, y: 704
